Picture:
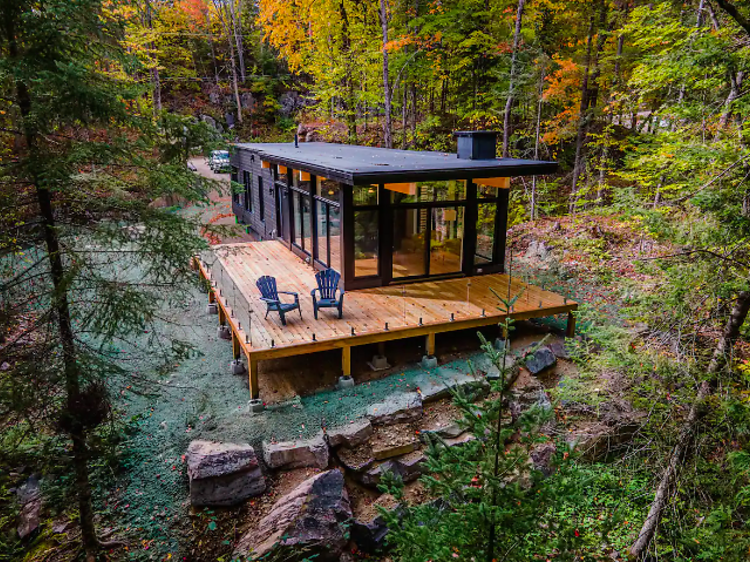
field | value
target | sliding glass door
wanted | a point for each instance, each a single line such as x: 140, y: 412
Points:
x: 428, y: 229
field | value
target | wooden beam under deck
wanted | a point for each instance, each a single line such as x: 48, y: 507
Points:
x: 429, y: 303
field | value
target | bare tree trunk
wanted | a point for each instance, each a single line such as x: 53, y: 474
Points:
x: 540, y: 99
x: 155, y: 78
x: 228, y: 25
x: 589, y: 96
x: 734, y: 92
x: 512, y: 82
x: 351, y: 101
x: 582, y: 109
x: 723, y: 347
x: 236, y: 13
x: 404, y: 114
x: 387, y: 133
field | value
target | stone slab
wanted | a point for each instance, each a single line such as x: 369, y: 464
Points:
x: 296, y: 454
x: 350, y: 435
x: 399, y: 408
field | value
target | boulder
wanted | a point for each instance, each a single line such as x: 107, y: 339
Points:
x: 370, y: 535
x: 540, y: 359
x: 30, y: 497
x: 350, y: 435
x: 247, y: 100
x: 400, y: 408
x: 223, y: 474
x: 493, y: 373
x: 541, y: 457
x: 408, y: 467
x: 559, y: 350
x: 308, y: 522
x: 433, y: 388
x: 446, y: 432
x: 296, y: 454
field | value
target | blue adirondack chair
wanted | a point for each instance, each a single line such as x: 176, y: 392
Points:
x: 328, y: 284
x: 270, y: 295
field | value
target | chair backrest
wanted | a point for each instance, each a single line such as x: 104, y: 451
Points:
x: 267, y: 287
x: 328, y: 281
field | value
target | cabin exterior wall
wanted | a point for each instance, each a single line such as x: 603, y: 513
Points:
x: 259, y: 216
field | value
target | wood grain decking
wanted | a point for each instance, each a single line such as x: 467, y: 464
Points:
x: 409, y: 310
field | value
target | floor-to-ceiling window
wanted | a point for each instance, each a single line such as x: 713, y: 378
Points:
x: 328, y: 224
x: 487, y: 251
x: 428, y: 228
x: 366, y: 226
x: 247, y: 180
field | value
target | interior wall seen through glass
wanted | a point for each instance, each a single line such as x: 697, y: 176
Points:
x: 365, y: 243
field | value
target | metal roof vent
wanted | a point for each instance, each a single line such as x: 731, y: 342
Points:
x: 476, y: 145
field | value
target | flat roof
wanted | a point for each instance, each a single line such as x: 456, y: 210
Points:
x: 357, y: 165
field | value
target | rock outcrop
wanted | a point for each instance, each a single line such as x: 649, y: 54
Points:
x: 223, y: 474
x: 297, y: 454
x: 308, y: 522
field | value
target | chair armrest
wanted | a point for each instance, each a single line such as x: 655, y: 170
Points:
x: 269, y: 301
x: 287, y: 293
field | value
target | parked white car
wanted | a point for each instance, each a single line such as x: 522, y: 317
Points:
x: 219, y: 161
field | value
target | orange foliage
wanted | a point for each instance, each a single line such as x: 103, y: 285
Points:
x: 195, y: 10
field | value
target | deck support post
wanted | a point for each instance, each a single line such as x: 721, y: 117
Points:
x: 238, y: 367
x: 346, y: 361
x: 222, y: 316
x: 429, y: 361
x: 252, y: 368
x: 570, y: 331
x: 430, y: 345
x: 346, y: 380
x: 379, y: 362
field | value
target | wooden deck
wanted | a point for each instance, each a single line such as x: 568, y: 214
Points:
x: 370, y: 315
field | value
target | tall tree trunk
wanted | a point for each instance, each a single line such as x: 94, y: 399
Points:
x: 387, y: 94
x: 351, y: 101
x: 228, y: 31
x: 155, y: 78
x: 589, y: 95
x: 62, y: 313
x: 512, y: 82
x: 697, y: 411
x: 735, y: 81
x: 540, y: 99
x: 236, y: 13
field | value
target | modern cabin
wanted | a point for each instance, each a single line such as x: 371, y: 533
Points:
x: 418, y: 238
x: 382, y: 216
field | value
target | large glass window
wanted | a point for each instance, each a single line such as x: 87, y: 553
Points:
x: 446, y: 240
x: 247, y: 180
x: 334, y: 228
x: 364, y: 195
x: 486, y: 215
x: 261, y: 200
x: 328, y: 189
x: 365, y: 243
x: 306, y: 220
x: 296, y: 212
x: 321, y: 211
x: 430, y: 191
x: 234, y: 185
x: 409, y: 242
